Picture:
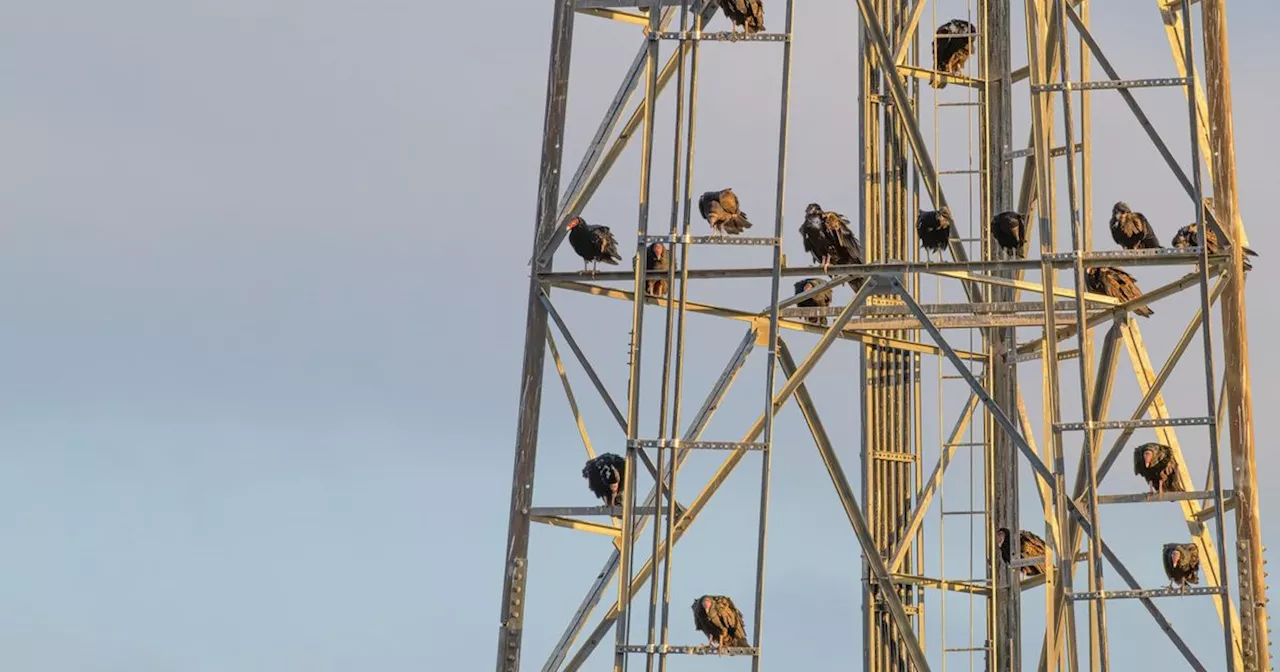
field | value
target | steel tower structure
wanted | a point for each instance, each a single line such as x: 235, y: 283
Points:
x: 1024, y: 321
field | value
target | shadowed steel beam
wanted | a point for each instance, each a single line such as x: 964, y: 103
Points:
x: 879, y: 572
x: 568, y: 393
x: 993, y: 408
x: 717, y: 479
x: 1235, y: 336
x: 935, y: 479
x: 700, y: 422
x: 515, y: 564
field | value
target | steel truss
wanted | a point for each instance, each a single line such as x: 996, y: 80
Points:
x: 897, y: 332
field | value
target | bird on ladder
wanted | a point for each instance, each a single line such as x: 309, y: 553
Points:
x: 716, y: 617
x: 1156, y: 464
x: 720, y: 209
x: 951, y: 53
x: 1131, y: 230
x: 934, y: 229
x: 1010, y: 232
x: 1181, y: 564
x: 745, y: 14
x: 593, y: 243
x: 820, y: 300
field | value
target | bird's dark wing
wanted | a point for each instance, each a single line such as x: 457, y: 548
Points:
x: 705, y: 202
x: 1167, y: 560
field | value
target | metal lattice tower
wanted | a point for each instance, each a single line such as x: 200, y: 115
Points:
x: 998, y: 326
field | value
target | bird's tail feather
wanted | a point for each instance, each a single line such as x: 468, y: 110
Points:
x: 740, y: 641
x: 737, y: 224
x: 1144, y: 311
x: 1249, y: 251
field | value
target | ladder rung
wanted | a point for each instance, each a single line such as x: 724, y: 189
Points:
x: 613, y: 511
x: 960, y: 172
x: 964, y: 649
x: 1110, y: 84
x: 964, y: 513
x: 1056, y: 151
x: 1133, y: 424
x: 970, y: 444
x: 689, y: 650
x: 964, y: 104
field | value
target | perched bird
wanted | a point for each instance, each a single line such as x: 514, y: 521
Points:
x: 720, y: 209
x: 1032, y: 547
x: 656, y: 260
x: 951, y: 53
x: 717, y: 618
x: 745, y: 14
x: 1181, y: 564
x: 1131, y: 230
x: 1010, y: 231
x: 934, y: 229
x: 828, y: 238
x: 1115, y: 283
x: 593, y: 243
x: 604, y: 475
x: 820, y: 300
x: 1156, y: 463
x: 1189, y: 236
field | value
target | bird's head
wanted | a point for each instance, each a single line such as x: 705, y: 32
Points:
x: 706, y: 603
x: 574, y: 222
x: 945, y: 211
x: 809, y: 285
x: 1120, y: 207
x: 1001, y: 535
x: 813, y: 210
x: 658, y: 250
x: 1174, y: 556
x: 1148, y: 455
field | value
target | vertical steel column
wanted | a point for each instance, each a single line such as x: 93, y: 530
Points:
x: 515, y: 570
x: 772, y: 356
x: 1098, y: 658
x: 996, y: 139
x: 1253, y: 597
x: 868, y: 219
x: 623, y: 632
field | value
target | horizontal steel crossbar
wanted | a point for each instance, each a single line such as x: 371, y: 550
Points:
x: 690, y: 650
x: 695, y: 445
x: 1145, y: 594
x: 594, y: 511
x: 1111, y: 84
x: 709, y: 240
x: 725, y: 36
x: 1133, y: 424
x: 1142, y: 498
x: 1055, y: 152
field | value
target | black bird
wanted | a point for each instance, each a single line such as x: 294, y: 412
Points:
x: 820, y: 300
x: 745, y: 14
x: 1115, y: 283
x: 828, y: 238
x: 1181, y: 564
x: 951, y: 53
x: 1010, y: 231
x: 1188, y: 236
x: 934, y: 229
x: 720, y: 209
x: 605, y: 474
x: 1032, y: 547
x: 716, y: 617
x: 1131, y: 230
x: 593, y: 243
x: 656, y: 259
x: 1157, y: 465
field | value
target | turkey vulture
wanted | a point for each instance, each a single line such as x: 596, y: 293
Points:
x: 656, y: 260
x: 593, y: 243
x: 934, y: 229
x: 745, y: 14
x: 828, y: 238
x: 1188, y: 236
x: 604, y: 475
x: 1155, y: 463
x: 1032, y: 547
x: 1115, y: 283
x: 1131, y: 230
x: 820, y: 300
x: 950, y: 53
x: 1010, y: 231
x: 720, y: 209
x: 1181, y: 564
x: 717, y: 618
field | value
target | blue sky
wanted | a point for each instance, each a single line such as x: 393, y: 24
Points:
x: 261, y: 373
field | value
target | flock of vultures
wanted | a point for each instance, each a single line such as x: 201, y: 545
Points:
x: 828, y: 238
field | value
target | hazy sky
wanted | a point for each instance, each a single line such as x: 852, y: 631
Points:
x: 265, y: 269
